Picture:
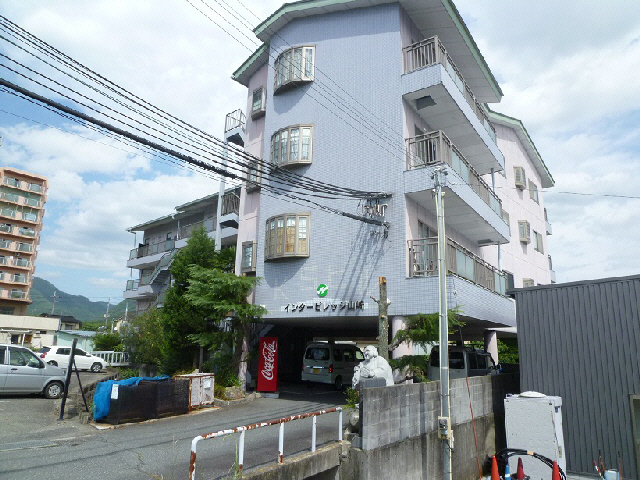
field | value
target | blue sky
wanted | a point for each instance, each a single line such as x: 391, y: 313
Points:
x: 568, y: 70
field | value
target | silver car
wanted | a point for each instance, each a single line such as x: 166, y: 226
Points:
x: 21, y: 371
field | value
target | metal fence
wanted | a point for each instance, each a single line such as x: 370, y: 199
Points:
x: 242, y: 430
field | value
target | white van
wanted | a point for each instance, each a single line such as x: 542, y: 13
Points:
x: 463, y: 362
x: 330, y: 363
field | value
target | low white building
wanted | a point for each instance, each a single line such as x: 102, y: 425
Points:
x: 28, y: 330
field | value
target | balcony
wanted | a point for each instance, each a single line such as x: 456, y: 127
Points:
x: 186, y: 231
x: 423, y: 261
x: 12, y: 182
x: 547, y: 224
x: 152, y: 249
x: 7, y: 212
x: 234, y: 127
x: 471, y: 207
x: 435, y: 88
x: 34, y: 187
x: 29, y: 217
x: 20, y: 263
x: 5, y: 244
x: 10, y: 197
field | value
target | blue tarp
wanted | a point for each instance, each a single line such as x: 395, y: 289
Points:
x: 102, y: 397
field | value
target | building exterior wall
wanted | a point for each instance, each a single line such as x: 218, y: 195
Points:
x: 520, y: 259
x: 580, y: 341
x: 347, y: 256
x: 28, y: 330
x: 22, y: 199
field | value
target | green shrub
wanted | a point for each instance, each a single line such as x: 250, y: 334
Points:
x: 128, y: 373
x: 352, y: 397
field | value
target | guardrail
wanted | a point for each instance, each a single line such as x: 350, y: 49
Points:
x: 243, y: 429
x: 114, y: 359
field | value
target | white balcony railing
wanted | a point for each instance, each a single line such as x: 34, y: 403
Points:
x: 234, y: 119
x: 423, y: 261
x: 430, y: 52
x: 435, y: 147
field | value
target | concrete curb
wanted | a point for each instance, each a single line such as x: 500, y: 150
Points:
x: 227, y: 403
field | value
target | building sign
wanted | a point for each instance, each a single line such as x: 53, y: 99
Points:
x: 322, y: 290
x: 268, y: 365
x: 324, y: 306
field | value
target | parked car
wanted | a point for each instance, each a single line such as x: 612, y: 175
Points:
x: 21, y: 371
x: 330, y: 363
x: 463, y: 362
x: 59, y: 356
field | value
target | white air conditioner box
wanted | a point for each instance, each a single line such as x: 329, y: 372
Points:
x: 533, y: 422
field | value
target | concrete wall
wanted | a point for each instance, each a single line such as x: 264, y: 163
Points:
x: 392, y: 414
x: 42, y: 329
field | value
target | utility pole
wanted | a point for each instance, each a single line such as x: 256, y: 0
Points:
x: 55, y: 299
x: 106, y: 316
x: 444, y: 422
x: 383, y: 321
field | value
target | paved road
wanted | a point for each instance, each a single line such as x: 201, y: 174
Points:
x: 160, y: 449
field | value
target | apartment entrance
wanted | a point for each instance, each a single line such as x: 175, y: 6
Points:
x: 635, y: 414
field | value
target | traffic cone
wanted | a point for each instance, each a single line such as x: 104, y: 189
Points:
x: 520, y: 470
x: 555, y: 475
x: 494, y: 469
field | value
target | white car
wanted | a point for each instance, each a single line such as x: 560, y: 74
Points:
x: 59, y: 356
x: 21, y: 371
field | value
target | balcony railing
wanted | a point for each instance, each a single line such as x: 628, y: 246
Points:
x: 10, y: 197
x: 32, y: 202
x: 28, y: 232
x: 132, y: 285
x: 152, y: 249
x: 435, y: 147
x: 423, y: 261
x: 34, y: 187
x: 29, y: 217
x: 12, y: 182
x: 8, y: 212
x: 6, y: 244
x: 431, y: 51
x: 6, y: 228
x: 20, y: 262
x: 19, y: 278
x: 25, y: 247
x: 230, y: 203
x: 234, y: 119
x: 18, y: 294
x: 209, y: 225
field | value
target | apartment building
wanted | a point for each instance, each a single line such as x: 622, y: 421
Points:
x: 375, y: 96
x: 22, y: 199
x: 157, y: 241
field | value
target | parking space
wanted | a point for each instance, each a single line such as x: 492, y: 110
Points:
x: 33, y: 418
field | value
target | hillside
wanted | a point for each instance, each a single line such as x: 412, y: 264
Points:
x: 76, y: 305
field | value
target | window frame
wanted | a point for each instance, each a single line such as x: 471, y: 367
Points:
x: 518, y: 172
x: 533, y: 192
x: 259, y: 112
x: 539, y: 242
x: 285, y: 68
x: 276, y: 155
x: 276, y: 236
x: 254, y: 176
x: 524, y: 238
x: 244, y: 268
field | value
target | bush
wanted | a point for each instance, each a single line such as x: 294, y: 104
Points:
x: 352, y: 397
x: 107, y: 342
x: 128, y: 373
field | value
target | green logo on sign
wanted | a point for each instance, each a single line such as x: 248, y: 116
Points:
x: 322, y: 290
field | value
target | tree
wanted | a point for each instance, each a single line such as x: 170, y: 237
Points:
x: 422, y: 329
x: 143, y: 338
x: 107, y: 342
x: 181, y: 318
x: 223, y: 294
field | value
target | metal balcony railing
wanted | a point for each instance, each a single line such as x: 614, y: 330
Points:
x: 10, y: 197
x: 435, y: 147
x: 6, y: 228
x: 132, y: 285
x: 234, y: 119
x: 21, y: 262
x: 12, y: 182
x: 230, y: 203
x: 8, y: 212
x: 29, y: 217
x: 209, y: 225
x: 34, y: 187
x: 18, y: 294
x: 28, y: 232
x: 431, y: 51
x: 32, y: 202
x: 152, y: 249
x: 423, y: 261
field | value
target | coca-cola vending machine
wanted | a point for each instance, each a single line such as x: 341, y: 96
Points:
x: 268, y: 365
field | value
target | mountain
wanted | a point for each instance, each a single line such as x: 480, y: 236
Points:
x: 78, y: 306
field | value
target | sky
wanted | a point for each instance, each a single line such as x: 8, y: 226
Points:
x: 568, y: 70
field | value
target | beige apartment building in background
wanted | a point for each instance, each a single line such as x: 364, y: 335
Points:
x: 22, y: 199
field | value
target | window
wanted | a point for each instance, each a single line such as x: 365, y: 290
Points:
x: 292, y: 145
x: 539, y: 246
x: 505, y: 217
x: 248, y: 257
x: 6, y: 311
x: 533, y: 191
x: 337, y: 354
x: 258, y: 102
x: 528, y: 282
x: 524, y: 229
x: 520, y: 178
x: 293, y: 67
x: 509, y: 280
x: 253, y: 176
x: 287, y: 236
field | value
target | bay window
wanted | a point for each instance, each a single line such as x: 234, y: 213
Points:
x: 294, y: 66
x: 287, y: 236
x: 292, y: 145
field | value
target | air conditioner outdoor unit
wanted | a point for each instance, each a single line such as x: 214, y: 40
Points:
x: 520, y: 178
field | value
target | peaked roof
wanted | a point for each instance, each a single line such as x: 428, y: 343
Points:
x: 515, y: 124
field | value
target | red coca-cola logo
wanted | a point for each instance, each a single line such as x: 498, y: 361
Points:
x: 268, y: 355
